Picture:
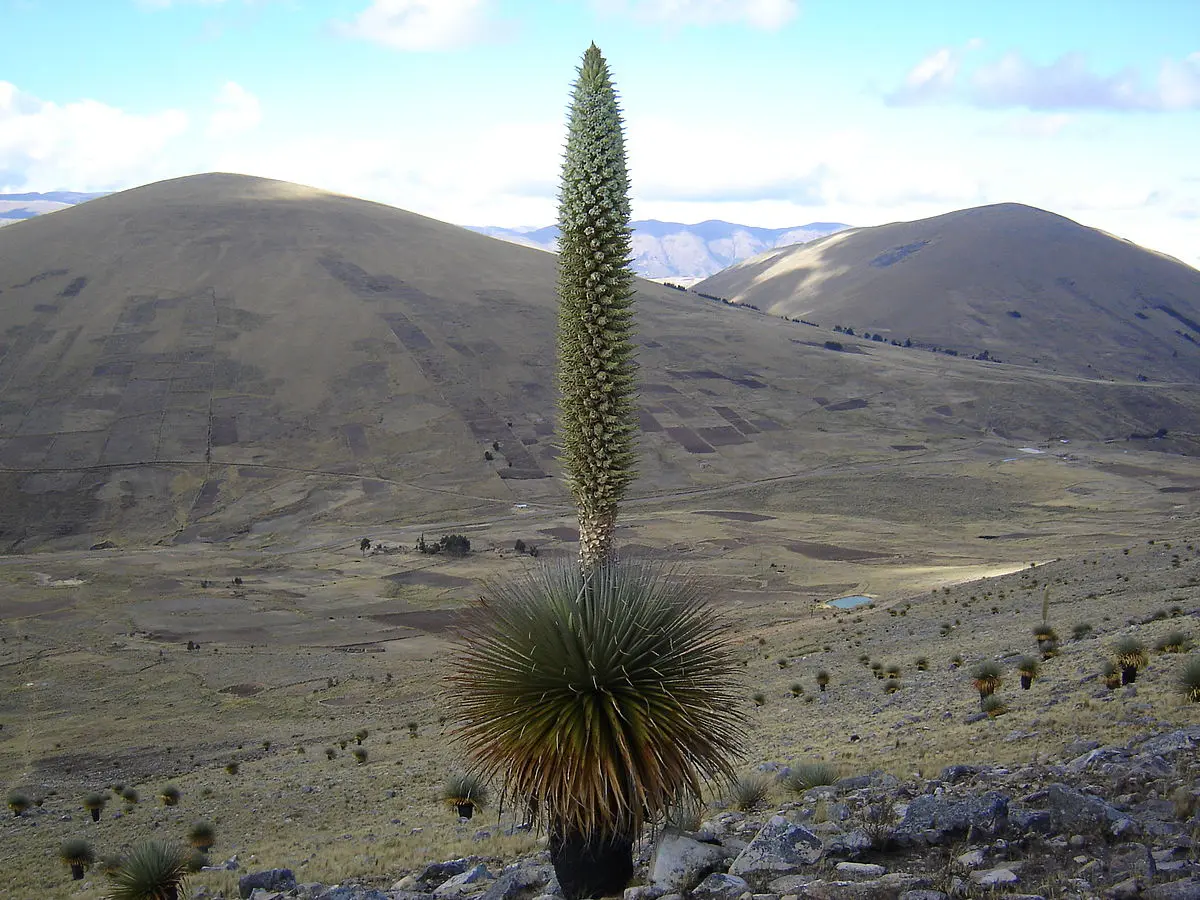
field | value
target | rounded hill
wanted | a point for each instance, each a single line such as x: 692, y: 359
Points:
x: 221, y: 356
x: 1021, y: 284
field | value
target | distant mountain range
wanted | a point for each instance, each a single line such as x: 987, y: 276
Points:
x: 15, y: 207
x: 683, y: 253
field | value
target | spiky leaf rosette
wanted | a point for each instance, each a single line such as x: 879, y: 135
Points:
x: 598, y: 415
x: 600, y: 707
x: 153, y: 870
x: 463, y: 788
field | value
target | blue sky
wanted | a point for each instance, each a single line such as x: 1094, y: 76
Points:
x: 766, y: 112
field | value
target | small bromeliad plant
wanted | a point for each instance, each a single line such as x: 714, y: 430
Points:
x: 1130, y: 656
x: 170, y: 795
x: 202, y: 836
x: 1028, y: 668
x: 1044, y: 634
x: 987, y: 678
x: 154, y: 870
x: 19, y: 803
x: 78, y: 854
x: 1111, y: 674
x: 94, y: 803
x: 466, y: 793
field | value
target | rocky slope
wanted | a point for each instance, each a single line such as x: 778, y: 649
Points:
x: 1116, y: 822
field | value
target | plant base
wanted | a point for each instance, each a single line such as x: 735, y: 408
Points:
x: 465, y: 810
x: 596, y: 866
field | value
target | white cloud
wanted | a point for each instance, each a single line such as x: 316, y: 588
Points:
x: 81, y: 145
x: 237, y: 111
x: 769, y: 15
x: 1012, y: 81
x: 419, y: 24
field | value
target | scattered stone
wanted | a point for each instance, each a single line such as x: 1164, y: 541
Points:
x: 719, y: 886
x: 780, y: 848
x: 859, y: 870
x: 270, y: 880
x: 995, y: 877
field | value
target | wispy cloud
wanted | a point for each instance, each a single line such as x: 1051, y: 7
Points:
x: 237, y: 111
x: 1067, y: 83
x: 768, y: 15
x: 420, y: 25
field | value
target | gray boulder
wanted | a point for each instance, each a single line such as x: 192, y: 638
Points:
x: 464, y: 884
x: 935, y: 820
x: 269, y: 880
x: 1074, y: 811
x: 780, y: 848
x: 681, y: 862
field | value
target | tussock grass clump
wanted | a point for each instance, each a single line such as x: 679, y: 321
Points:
x: 892, y: 671
x: 822, y: 679
x: 759, y: 698
x: 921, y: 664
x: 994, y: 706
x: 360, y: 755
x: 748, y: 792
x: 891, y: 685
x: 797, y: 689
x: 1189, y: 679
x: 170, y: 795
x: 804, y: 776
x: 1082, y: 630
x: 130, y: 796
x: 78, y: 854
x: 1173, y: 642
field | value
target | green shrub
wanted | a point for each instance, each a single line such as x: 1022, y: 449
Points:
x: 1082, y: 630
x: 130, y: 796
x: 360, y: 755
x: 170, y: 795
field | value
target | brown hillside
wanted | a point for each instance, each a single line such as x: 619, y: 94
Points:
x: 221, y: 355
x: 1026, y: 285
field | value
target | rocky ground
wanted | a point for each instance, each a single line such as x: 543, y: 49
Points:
x: 1120, y: 822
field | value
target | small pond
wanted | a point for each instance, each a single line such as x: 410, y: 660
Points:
x: 850, y: 602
